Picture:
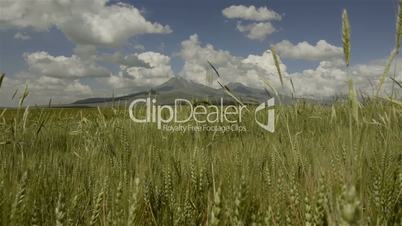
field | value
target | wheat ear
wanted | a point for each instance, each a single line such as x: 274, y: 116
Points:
x: 346, y: 37
x: 277, y: 64
x: 399, y: 28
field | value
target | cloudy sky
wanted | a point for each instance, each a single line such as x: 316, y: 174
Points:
x: 72, y: 49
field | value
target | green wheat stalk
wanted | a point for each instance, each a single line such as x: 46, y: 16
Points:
x: 230, y: 93
x: 395, y: 52
x: 399, y: 28
x: 293, y: 87
x: 24, y: 95
x: 268, y: 83
x: 387, y: 69
x: 396, y: 82
x: 14, y: 94
x: 277, y: 64
x: 224, y: 87
x: 353, y: 101
x: 2, y: 78
x: 346, y: 52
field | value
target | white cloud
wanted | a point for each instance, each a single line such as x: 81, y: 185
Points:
x: 330, y: 79
x: 195, y: 59
x: 41, y: 89
x: 60, y: 77
x: 77, y: 87
x: 63, y: 67
x: 21, y: 36
x: 256, y: 31
x: 139, y: 47
x: 248, y: 71
x: 130, y: 60
x: 56, y: 77
x: 87, y: 52
x: 250, y: 13
x: 48, y: 86
x: 88, y: 22
x: 305, y: 51
x: 327, y: 80
x: 158, y: 72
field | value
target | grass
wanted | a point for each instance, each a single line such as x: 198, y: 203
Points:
x: 97, y: 167
x: 84, y: 167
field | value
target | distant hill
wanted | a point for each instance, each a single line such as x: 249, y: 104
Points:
x: 178, y: 87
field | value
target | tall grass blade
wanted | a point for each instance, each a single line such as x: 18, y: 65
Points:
x: 14, y: 94
x: 213, y: 67
x: 209, y: 77
x: 225, y: 88
x: 229, y: 92
x: 268, y: 83
x: 25, y: 118
x: 267, y: 92
x: 293, y: 87
x: 333, y: 113
x: 395, y: 101
x: 271, y: 87
x: 24, y: 95
x: 2, y: 78
x: 396, y: 82
x: 353, y: 101
x: 3, y: 112
x: 387, y: 68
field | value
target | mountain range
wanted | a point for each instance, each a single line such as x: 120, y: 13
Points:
x: 178, y: 87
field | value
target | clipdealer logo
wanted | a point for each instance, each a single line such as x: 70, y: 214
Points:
x: 268, y: 105
x: 201, y: 114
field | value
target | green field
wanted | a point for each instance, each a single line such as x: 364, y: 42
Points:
x: 338, y: 164
x: 97, y: 167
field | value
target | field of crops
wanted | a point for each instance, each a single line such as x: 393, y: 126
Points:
x: 97, y: 167
x: 338, y: 164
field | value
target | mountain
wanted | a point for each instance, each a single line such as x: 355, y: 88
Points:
x: 178, y: 87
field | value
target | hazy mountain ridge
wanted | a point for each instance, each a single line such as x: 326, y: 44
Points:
x: 178, y: 87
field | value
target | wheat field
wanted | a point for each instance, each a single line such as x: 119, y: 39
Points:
x: 338, y: 164
x: 89, y: 167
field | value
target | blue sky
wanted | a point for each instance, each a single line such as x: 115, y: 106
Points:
x: 372, y: 22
